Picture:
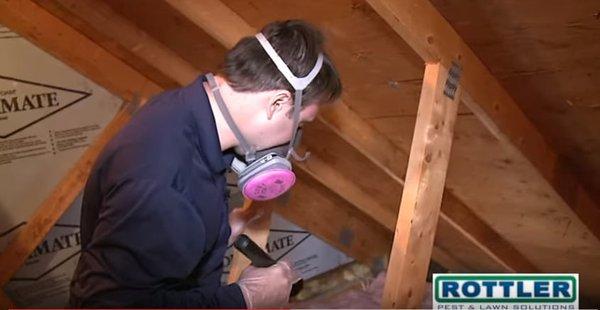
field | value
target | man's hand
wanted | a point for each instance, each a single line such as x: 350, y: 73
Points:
x: 267, y: 287
x: 239, y: 218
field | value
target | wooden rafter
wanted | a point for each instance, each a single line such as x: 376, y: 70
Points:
x: 433, y: 38
x: 167, y: 69
x: 215, y: 18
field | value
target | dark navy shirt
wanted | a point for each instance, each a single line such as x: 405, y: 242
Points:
x: 154, y: 222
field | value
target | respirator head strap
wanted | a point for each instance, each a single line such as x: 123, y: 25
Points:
x: 249, y: 151
x: 299, y: 84
x: 296, y: 133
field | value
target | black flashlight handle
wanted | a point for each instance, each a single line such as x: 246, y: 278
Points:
x: 259, y: 258
x: 253, y: 252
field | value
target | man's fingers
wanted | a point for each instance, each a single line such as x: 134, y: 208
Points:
x: 291, y: 273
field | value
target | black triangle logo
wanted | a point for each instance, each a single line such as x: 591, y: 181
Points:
x: 283, y: 241
x: 24, y: 103
x: 43, y: 255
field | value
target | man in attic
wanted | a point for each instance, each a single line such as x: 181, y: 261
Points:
x: 154, y: 220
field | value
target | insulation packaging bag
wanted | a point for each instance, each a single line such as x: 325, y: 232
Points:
x: 49, y: 114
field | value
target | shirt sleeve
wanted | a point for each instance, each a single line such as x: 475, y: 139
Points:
x: 147, y: 236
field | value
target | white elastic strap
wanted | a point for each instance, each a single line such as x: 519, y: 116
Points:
x: 297, y: 83
x: 249, y: 151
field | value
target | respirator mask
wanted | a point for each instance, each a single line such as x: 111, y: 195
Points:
x: 267, y: 174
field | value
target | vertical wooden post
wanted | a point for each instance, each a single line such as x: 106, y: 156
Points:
x: 422, y: 195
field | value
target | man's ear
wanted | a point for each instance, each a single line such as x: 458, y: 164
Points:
x: 279, y: 102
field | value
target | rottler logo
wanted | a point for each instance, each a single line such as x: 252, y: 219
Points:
x: 24, y: 103
x: 505, y: 291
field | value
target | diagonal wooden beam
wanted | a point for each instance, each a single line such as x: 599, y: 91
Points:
x: 364, y: 138
x: 100, y: 23
x: 422, y: 195
x: 420, y: 24
x: 57, y: 38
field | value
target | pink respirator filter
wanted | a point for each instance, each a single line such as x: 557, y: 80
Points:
x: 269, y: 184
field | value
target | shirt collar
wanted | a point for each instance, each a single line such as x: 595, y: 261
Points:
x: 195, y: 96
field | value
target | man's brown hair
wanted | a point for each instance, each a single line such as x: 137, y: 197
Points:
x: 248, y: 68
